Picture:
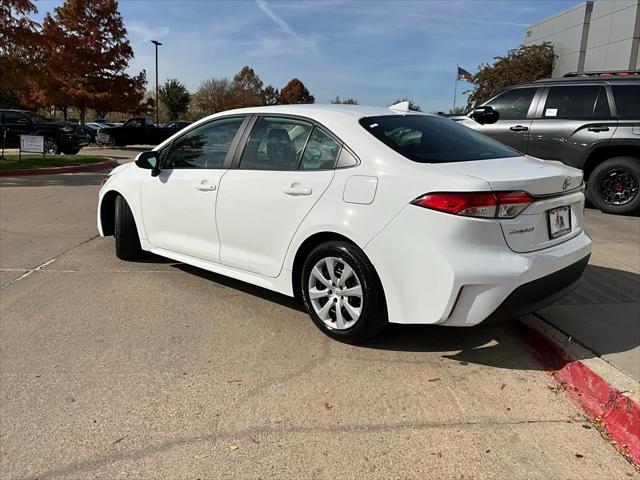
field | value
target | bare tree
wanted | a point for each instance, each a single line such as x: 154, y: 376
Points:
x: 213, y: 96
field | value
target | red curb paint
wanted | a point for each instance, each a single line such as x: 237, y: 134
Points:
x: 619, y: 415
x: 90, y: 167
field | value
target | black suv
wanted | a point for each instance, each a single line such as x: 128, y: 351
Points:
x: 588, y: 120
x: 59, y: 137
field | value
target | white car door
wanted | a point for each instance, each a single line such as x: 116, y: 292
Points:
x: 178, y: 205
x: 285, y: 167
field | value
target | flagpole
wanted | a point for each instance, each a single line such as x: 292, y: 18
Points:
x: 455, y: 89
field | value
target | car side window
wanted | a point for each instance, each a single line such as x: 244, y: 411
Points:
x: 15, y: 118
x: 627, y: 98
x: 205, y: 146
x: 576, y: 101
x: 513, y: 104
x: 320, y: 152
x: 275, y: 143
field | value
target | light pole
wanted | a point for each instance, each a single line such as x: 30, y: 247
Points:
x: 157, y: 44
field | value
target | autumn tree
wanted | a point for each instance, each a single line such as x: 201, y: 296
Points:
x: 295, y: 92
x: 271, y: 95
x: 212, y: 96
x: 524, y: 64
x: 20, y: 52
x: 412, y: 105
x: 247, y: 88
x: 175, y: 97
x: 87, y: 54
x: 345, y: 101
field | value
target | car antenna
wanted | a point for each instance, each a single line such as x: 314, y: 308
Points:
x: 400, y: 107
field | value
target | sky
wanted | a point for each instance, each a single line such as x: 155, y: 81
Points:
x: 375, y: 51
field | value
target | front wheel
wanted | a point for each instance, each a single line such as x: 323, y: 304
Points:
x: 614, y: 186
x: 51, y: 146
x: 342, y: 292
x: 127, y: 239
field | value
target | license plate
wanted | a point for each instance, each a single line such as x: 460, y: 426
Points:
x: 103, y: 137
x: 559, y: 221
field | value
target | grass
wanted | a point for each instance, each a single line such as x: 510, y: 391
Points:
x: 35, y: 160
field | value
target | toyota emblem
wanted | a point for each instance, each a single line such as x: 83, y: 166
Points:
x: 566, y: 183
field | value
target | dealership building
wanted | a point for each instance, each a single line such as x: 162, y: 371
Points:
x: 597, y: 35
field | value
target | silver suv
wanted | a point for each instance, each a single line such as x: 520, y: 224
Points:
x: 589, y: 121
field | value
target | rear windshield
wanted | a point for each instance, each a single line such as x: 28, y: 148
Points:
x: 432, y: 139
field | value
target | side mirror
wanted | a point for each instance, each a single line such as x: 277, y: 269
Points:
x: 149, y: 161
x: 484, y: 115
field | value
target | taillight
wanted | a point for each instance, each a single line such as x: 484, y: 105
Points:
x: 477, y: 204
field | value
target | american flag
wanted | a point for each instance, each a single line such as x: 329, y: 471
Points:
x: 465, y: 76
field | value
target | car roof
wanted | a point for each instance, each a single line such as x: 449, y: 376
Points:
x: 313, y: 110
x: 590, y: 79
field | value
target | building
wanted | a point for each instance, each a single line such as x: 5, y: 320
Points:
x: 597, y: 35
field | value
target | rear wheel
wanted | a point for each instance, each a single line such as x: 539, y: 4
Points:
x: 614, y: 186
x: 127, y: 239
x: 342, y: 292
x: 71, y: 151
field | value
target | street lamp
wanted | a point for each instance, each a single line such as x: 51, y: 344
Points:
x: 157, y: 44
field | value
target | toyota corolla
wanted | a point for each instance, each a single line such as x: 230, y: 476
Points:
x: 370, y: 215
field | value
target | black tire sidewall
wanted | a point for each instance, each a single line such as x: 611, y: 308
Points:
x: 631, y: 165
x: 373, y: 314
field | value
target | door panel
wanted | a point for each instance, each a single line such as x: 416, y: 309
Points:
x: 15, y: 125
x: 179, y: 211
x: 258, y: 213
x: 571, y: 121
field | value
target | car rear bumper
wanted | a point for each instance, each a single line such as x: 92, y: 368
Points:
x: 442, y: 269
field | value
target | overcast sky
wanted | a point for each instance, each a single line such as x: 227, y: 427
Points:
x: 371, y: 50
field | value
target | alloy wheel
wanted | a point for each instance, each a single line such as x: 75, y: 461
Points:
x: 618, y: 187
x: 50, y: 146
x: 336, y: 293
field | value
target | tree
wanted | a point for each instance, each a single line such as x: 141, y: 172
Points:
x: 295, y: 92
x: 20, y: 54
x: 524, y: 64
x: 412, y: 106
x: 247, y: 88
x: 213, y: 96
x: 271, y: 95
x: 175, y: 97
x: 346, y: 101
x: 87, y: 54
x: 458, y: 111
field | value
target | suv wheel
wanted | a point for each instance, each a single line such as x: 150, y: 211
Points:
x: 614, y: 186
x: 71, y: 151
x: 51, y: 146
x: 342, y: 292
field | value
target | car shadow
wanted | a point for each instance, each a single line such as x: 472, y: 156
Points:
x: 509, y: 344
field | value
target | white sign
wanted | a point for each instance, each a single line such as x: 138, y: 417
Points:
x: 551, y: 112
x: 32, y: 143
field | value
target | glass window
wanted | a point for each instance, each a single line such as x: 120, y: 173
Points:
x: 346, y: 159
x: 321, y: 152
x: 14, y: 117
x: 627, y: 98
x: 576, y: 101
x: 432, y: 139
x: 275, y: 143
x: 205, y: 146
x: 513, y: 104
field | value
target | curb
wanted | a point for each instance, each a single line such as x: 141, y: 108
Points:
x: 89, y: 167
x: 606, y: 406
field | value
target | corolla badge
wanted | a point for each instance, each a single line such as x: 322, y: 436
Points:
x: 566, y: 183
x: 522, y: 230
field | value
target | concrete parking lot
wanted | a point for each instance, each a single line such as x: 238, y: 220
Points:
x: 155, y: 369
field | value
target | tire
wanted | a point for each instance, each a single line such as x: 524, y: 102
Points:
x: 614, y: 186
x: 320, y: 300
x: 127, y: 239
x: 51, y: 146
x: 71, y: 151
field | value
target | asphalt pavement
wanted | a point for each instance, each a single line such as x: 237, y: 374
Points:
x: 154, y: 369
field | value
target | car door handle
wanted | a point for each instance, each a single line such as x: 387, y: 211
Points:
x: 206, y: 187
x: 599, y: 128
x: 297, y: 190
x: 519, y: 128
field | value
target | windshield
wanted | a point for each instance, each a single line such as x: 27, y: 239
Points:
x: 431, y: 139
x: 36, y: 117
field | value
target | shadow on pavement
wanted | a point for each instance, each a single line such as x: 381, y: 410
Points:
x: 59, y: 180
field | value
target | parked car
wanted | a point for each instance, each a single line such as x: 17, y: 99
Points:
x: 370, y: 215
x: 179, y: 124
x: 59, y: 137
x: 588, y: 121
x: 135, y: 131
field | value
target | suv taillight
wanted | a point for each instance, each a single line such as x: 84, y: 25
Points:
x: 477, y: 204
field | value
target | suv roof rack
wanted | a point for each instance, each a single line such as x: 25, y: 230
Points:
x: 611, y: 73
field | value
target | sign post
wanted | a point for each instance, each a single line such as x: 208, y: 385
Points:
x: 31, y: 144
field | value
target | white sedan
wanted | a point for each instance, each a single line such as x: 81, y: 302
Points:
x: 370, y: 215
